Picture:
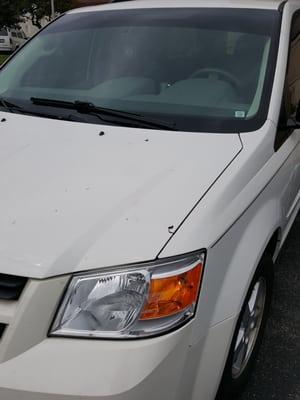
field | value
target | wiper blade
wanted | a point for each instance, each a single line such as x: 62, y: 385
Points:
x: 53, y: 103
x: 100, y: 112
x: 132, y: 117
x: 14, y: 108
x: 8, y: 105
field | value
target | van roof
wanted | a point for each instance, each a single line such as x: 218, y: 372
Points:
x: 137, y: 4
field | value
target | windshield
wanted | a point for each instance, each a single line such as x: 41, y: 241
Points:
x: 3, y: 32
x: 202, y: 69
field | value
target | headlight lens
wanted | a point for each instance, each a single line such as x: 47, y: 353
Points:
x: 130, y: 302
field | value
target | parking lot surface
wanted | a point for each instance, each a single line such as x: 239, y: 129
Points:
x: 277, y: 372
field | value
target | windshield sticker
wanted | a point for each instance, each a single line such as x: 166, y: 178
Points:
x: 240, y: 114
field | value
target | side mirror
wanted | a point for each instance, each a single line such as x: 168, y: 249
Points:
x: 286, y: 123
x: 293, y: 124
x: 298, y: 113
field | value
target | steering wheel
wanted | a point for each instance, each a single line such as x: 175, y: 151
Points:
x: 227, y: 76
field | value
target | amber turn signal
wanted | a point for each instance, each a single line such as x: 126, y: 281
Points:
x: 174, y: 294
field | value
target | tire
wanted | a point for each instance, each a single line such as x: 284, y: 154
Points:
x: 246, y: 343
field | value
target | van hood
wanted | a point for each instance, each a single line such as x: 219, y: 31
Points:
x: 73, y: 200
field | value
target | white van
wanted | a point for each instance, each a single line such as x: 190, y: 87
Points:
x: 150, y: 174
x: 11, y: 39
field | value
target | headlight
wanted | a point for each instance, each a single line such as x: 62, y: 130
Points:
x: 129, y: 302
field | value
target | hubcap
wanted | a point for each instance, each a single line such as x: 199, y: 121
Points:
x: 249, y: 328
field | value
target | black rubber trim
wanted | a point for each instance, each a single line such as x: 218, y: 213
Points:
x: 281, y: 6
x: 283, y: 134
x: 11, y: 286
x: 2, y: 329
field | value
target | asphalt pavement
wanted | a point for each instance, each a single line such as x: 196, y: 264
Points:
x: 277, y: 371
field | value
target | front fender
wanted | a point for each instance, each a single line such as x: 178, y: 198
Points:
x: 233, y: 260
x: 231, y: 265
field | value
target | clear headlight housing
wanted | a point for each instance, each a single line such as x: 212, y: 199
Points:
x: 133, y: 301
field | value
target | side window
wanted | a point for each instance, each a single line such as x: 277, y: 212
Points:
x: 13, y: 34
x: 291, y: 96
x: 293, y: 75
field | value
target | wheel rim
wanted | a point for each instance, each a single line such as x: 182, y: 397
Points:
x: 249, y: 328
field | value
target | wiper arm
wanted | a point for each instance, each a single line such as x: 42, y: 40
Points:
x: 90, y: 108
x: 53, y: 103
x: 14, y: 108
x: 131, y: 117
x: 8, y: 105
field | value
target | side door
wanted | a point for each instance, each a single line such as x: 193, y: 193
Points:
x: 20, y: 38
x: 4, y: 39
x: 294, y: 88
x: 14, y: 39
x: 24, y: 38
x: 289, y: 138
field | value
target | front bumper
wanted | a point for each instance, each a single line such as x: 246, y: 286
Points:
x: 5, y: 48
x: 74, y: 369
x: 35, y: 367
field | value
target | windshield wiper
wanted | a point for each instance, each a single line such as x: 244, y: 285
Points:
x: 100, y: 112
x: 14, y: 108
x: 8, y: 105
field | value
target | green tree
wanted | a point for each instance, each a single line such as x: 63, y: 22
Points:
x: 39, y: 9
x: 13, y: 11
x: 10, y: 12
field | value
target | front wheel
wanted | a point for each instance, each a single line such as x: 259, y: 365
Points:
x: 249, y: 332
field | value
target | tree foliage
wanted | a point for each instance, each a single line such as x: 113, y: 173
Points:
x: 39, y: 9
x: 12, y: 11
